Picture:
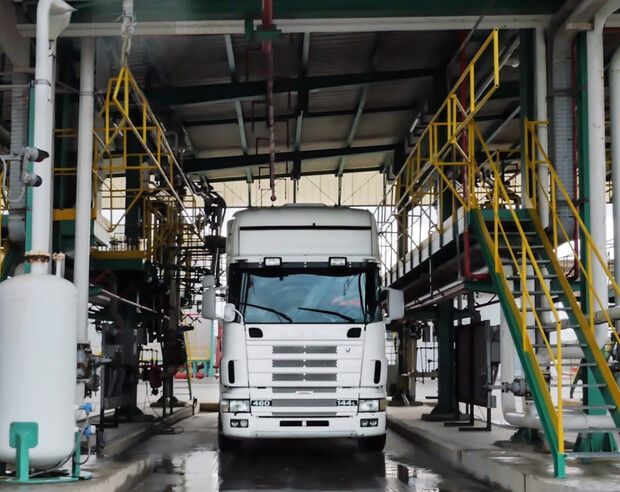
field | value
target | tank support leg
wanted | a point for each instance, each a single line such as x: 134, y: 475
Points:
x: 23, y: 436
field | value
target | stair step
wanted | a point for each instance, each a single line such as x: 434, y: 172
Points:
x: 508, y: 261
x: 564, y: 345
x: 593, y: 454
x: 530, y: 277
x: 517, y: 233
x: 580, y: 385
x: 591, y: 430
x: 551, y: 292
x: 591, y: 407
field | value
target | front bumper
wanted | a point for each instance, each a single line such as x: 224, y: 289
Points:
x: 303, y: 427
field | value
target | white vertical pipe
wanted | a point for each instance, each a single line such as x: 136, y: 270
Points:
x: 84, y: 183
x: 541, y: 115
x: 596, y: 157
x: 614, y: 105
x: 44, y: 123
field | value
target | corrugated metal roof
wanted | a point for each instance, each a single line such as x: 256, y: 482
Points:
x: 340, y: 53
x: 178, y: 58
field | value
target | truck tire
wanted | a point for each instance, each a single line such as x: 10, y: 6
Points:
x: 372, y: 444
x: 225, y: 443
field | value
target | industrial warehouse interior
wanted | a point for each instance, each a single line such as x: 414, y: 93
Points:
x: 309, y: 246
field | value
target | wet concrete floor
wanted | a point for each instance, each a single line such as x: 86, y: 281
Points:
x: 191, y: 462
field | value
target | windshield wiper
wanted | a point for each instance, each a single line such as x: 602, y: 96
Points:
x: 278, y: 313
x: 346, y: 318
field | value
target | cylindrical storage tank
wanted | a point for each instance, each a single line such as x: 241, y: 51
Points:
x: 38, y: 337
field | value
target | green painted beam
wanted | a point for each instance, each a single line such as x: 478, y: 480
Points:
x: 217, y: 163
x: 192, y: 10
x: 164, y: 97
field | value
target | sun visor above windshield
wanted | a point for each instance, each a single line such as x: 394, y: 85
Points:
x: 304, y: 241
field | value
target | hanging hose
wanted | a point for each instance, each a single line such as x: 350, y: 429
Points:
x: 5, y: 194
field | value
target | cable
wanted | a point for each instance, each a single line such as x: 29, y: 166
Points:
x: 78, y: 441
x: 5, y: 196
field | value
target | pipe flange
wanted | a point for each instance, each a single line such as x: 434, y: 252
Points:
x: 37, y: 257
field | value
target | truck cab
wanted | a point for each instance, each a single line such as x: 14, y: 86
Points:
x: 303, y: 344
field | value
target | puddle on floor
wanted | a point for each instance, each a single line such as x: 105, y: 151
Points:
x: 303, y: 466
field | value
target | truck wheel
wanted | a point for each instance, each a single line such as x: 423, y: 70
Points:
x: 225, y: 443
x: 372, y: 444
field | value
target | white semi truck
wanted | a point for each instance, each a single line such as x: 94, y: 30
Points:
x: 303, y: 344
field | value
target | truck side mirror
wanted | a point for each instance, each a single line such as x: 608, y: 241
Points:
x: 395, y: 304
x: 230, y: 313
x: 208, y: 297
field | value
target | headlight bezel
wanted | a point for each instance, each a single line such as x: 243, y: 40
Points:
x: 235, y: 406
x: 368, y: 405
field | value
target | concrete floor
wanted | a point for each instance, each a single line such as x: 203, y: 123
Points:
x: 492, y: 458
x: 429, y: 457
x: 191, y: 462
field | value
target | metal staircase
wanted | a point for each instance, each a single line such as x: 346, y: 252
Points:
x: 529, y: 271
x: 453, y: 178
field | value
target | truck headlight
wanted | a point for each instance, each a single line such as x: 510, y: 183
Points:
x: 235, y: 406
x: 372, y: 405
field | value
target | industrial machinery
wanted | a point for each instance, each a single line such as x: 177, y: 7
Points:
x: 303, y: 347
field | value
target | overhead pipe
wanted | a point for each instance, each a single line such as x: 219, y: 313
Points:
x: 53, y: 16
x: 267, y: 49
x: 83, y: 207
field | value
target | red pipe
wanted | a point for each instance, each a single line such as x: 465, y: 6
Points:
x: 267, y: 20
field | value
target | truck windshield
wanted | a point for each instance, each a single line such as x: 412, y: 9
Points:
x: 307, y: 295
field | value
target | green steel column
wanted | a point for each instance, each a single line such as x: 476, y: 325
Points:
x: 447, y: 407
x: 28, y: 244
x: 133, y: 219
x: 591, y: 395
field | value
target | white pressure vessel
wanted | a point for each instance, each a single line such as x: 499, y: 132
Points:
x: 38, y: 338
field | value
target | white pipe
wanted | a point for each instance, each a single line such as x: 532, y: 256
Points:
x: 614, y: 105
x: 84, y: 183
x: 541, y: 115
x: 507, y: 360
x: 52, y: 17
x: 596, y: 157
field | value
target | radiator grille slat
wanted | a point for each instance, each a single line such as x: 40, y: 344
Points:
x: 304, y: 377
x: 284, y: 389
x: 304, y: 363
x: 308, y: 349
x: 304, y: 414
